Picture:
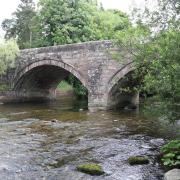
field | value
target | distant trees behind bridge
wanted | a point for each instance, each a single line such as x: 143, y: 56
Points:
x: 62, y: 22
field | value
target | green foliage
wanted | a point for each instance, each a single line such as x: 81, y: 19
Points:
x: 107, y: 23
x: 21, y: 26
x: 8, y: 52
x: 135, y: 160
x: 66, y: 22
x: 171, y: 154
x: 74, y: 84
x: 79, y: 89
x: 165, y: 15
x: 155, y: 53
x: 64, y: 86
x: 92, y: 169
x: 62, y: 22
x: 4, y: 87
x: 163, y: 73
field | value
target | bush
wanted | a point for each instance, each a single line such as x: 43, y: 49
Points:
x: 171, y: 154
x: 8, y: 53
x: 79, y: 89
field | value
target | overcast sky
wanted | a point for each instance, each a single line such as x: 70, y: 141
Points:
x: 7, y: 7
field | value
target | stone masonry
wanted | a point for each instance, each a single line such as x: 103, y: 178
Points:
x: 38, y: 72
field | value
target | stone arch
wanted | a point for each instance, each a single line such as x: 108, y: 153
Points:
x: 119, y: 75
x: 116, y: 98
x: 47, y: 62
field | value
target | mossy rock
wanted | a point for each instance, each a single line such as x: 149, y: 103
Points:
x: 92, y: 169
x: 133, y: 160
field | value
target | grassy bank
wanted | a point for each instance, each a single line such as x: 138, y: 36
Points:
x: 64, y: 87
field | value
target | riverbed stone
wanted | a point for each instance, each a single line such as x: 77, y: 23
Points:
x: 157, y: 142
x: 173, y: 174
x: 91, y: 168
x: 136, y: 160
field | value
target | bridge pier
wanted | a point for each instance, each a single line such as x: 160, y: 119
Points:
x: 97, y: 102
x: 126, y: 100
x: 108, y: 102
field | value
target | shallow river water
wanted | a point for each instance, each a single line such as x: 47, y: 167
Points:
x: 48, y: 141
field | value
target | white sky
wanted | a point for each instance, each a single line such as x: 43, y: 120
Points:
x: 7, y: 7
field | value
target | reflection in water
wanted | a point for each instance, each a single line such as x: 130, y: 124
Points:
x: 48, y: 141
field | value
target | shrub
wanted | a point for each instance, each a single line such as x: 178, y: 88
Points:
x: 8, y: 53
x: 171, y: 154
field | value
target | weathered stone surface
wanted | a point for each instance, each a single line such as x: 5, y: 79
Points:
x: 38, y: 72
x: 172, y: 175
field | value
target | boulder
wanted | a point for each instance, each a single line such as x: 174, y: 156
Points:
x: 92, y: 169
x: 173, y: 174
x: 136, y: 160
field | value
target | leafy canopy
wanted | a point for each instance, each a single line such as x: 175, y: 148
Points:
x: 65, y: 21
x: 156, y: 51
x: 20, y: 26
x: 8, y: 52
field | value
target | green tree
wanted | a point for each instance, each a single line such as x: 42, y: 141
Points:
x: 66, y: 21
x: 21, y: 26
x: 109, y: 22
x: 8, y: 52
x: 156, y: 53
x: 161, y: 17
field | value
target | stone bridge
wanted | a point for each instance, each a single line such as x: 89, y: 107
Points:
x: 38, y: 72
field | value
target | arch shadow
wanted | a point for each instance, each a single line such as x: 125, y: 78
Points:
x: 116, y: 96
x: 41, y: 78
x: 50, y: 62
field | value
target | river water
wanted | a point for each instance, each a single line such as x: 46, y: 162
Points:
x: 48, y: 141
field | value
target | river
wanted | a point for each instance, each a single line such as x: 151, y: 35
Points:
x: 47, y: 141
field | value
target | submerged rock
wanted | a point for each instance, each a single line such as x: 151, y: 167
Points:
x: 92, y: 169
x: 172, y: 175
x: 157, y: 142
x: 134, y: 160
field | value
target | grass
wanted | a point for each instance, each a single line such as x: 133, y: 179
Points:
x: 4, y: 87
x: 64, y: 86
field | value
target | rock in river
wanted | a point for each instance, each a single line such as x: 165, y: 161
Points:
x: 173, y: 174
